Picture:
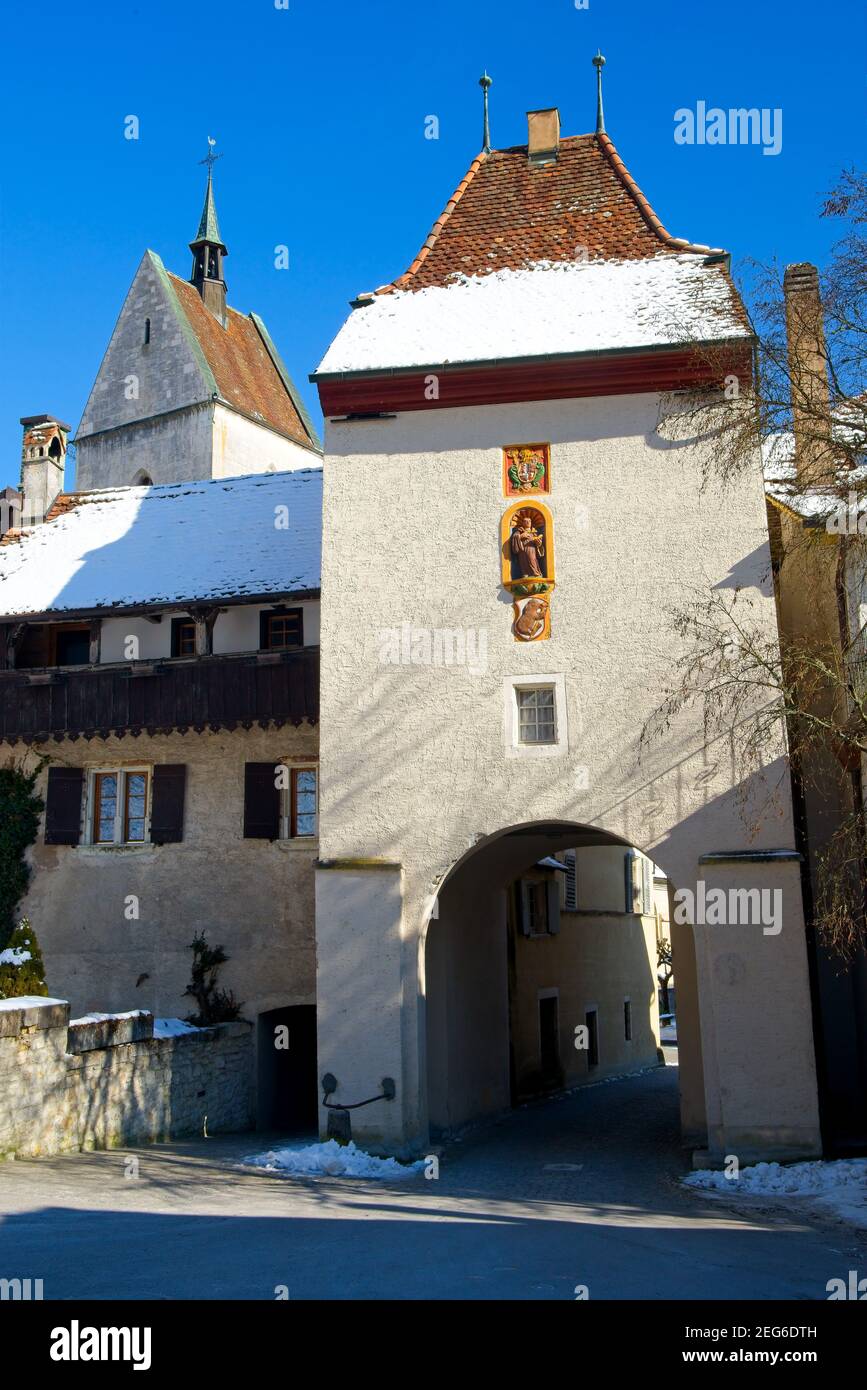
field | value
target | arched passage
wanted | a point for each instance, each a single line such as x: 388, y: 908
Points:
x: 539, y: 973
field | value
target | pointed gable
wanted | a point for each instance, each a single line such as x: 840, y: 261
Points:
x: 139, y: 379
x: 246, y: 368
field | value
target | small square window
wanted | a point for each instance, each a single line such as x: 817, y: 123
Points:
x: 537, y: 721
x: 281, y: 630
x: 183, y: 637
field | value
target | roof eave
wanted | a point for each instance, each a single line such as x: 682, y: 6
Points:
x: 183, y: 605
x: 639, y: 350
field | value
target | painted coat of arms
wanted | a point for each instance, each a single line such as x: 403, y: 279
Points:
x: 526, y: 469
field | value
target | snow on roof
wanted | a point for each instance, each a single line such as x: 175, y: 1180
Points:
x: 126, y: 547
x: 548, y: 308
x: 813, y: 504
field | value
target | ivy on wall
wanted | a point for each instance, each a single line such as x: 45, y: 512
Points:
x: 20, y: 808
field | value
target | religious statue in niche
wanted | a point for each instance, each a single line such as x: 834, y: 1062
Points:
x: 526, y: 469
x: 527, y: 536
x: 528, y: 554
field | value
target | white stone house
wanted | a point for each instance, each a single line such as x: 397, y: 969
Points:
x: 508, y: 532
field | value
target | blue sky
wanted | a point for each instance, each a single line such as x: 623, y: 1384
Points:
x: 320, y: 112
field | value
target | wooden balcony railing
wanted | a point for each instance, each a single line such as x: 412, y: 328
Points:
x: 205, y: 692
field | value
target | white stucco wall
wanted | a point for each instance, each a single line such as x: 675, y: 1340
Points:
x: 240, y: 446
x: 236, y: 630
x: 412, y: 513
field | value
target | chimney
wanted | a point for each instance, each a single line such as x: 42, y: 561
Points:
x: 10, y: 510
x: 43, y: 454
x: 543, y: 136
x: 808, y: 375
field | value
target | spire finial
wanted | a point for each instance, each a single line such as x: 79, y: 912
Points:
x: 485, y: 83
x: 210, y: 158
x: 599, y: 64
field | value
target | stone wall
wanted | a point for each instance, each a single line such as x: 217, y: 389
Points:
x: 110, y: 1083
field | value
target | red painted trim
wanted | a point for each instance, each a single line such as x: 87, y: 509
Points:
x: 531, y: 381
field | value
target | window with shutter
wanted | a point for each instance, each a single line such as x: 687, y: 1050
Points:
x: 63, y: 806
x: 261, y: 801
x: 571, y: 881
x: 167, y: 808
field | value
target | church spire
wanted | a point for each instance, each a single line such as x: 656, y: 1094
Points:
x: 208, y: 248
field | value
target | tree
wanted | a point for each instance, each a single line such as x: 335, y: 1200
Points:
x: 805, y: 414
x: 216, y: 1005
x: 665, y: 970
x: 20, y: 809
x: 22, y: 971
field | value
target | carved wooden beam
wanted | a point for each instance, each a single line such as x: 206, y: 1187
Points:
x: 14, y: 638
x: 95, y: 639
x: 204, y: 619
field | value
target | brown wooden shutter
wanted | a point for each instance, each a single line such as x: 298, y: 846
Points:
x: 167, y: 804
x: 261, y: 802
x: 63, y: 806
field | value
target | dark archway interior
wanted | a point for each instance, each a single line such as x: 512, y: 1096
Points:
x: 528, y: 990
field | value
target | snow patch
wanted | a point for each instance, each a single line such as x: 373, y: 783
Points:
x: 173, y: 1028
x: 14, y: 955
x: 29, y: 1001
x: 838, y: 1186
x: 332, y: 1160
x: 103, y: 1018
x: 546, y: 308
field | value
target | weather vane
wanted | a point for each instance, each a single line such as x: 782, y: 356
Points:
x: 210, y: 158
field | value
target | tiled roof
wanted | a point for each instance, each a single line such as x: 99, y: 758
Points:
x: 506, y: 214
x: 246, y: 372
x: 167, y: 546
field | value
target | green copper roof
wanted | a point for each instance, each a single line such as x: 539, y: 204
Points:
x: 209, y: 227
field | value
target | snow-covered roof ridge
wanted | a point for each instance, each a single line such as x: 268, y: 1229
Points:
x: 546, y: 309
x: 122, y: 548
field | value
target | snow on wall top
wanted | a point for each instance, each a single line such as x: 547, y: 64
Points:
x: 563, y: 307
x: 123, y: 547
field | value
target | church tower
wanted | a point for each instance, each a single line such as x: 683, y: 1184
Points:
x: 208, y: 251
x: 189, y: 388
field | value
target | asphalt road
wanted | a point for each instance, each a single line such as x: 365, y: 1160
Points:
x: 581, y: 1190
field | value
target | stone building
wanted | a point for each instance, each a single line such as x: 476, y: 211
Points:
x: 185, y: 377
x: 509, y: 528
x: 820, y: 578
x: 159, y: 655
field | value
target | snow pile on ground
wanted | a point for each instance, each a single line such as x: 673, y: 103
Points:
x: 332, y: 1160
x: 839, y: 1186
x: 173, y: 1028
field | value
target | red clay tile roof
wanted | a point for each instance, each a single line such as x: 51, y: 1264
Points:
x: 506, y: 214
x: 244, y: 370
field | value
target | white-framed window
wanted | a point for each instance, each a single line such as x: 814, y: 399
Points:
x: 118, y: 806
x: 299, y: 804
x: 535, y: 716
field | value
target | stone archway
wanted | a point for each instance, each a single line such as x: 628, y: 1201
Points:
x: 491, y: 985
